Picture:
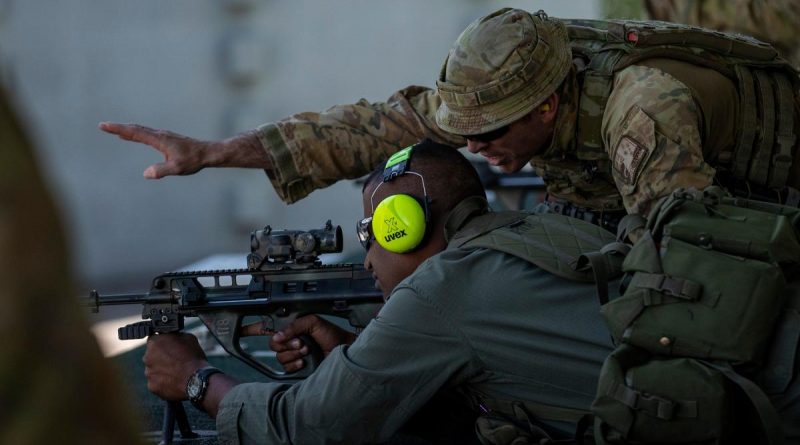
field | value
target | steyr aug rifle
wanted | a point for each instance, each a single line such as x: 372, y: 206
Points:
x: 284, y: 280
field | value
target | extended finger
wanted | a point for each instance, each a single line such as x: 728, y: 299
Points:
x: 134, y: 132
x: 260, y: 328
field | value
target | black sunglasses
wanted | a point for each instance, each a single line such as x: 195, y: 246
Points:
x: 364, y: 232
x: 489, y: 136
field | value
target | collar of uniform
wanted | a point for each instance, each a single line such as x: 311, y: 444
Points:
x: 564, y: 132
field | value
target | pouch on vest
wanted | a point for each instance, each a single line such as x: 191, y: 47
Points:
x: 645, y: 399
x: 696, y: 302
x: 706, y: 288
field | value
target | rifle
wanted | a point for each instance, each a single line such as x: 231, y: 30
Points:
x: 284, y: 280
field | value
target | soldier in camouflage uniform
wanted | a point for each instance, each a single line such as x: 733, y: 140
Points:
x: 512, y: 90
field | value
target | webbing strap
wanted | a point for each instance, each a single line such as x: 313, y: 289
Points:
x: 779, y: 369
x: 538, y: 410
x: 676, y: 287
x: 602, y: 266
x: 748, y: 122
x: 759, y: 168
x: 766, y: 411
x: 598, y: 80
x: 652, y: 405
x: 629, y: 224
x: 785, y: 139
x: 599, y: 267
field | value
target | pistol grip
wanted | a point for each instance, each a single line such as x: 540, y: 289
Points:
x: 315, y: 354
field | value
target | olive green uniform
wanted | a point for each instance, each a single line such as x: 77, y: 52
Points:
x: 665, y: 125
x: 537, y: 338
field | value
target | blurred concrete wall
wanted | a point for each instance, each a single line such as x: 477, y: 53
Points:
x: 208, y: 69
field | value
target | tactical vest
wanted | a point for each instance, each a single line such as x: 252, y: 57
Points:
x: 707, y: 325
x: 767, y: 85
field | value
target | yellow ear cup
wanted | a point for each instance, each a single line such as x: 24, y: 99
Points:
x: 399, y: 223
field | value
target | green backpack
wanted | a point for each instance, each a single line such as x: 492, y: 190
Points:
x: 707, y: 327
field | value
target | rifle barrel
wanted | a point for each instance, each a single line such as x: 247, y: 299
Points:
x: 95, y: 300
x: 122, y: 299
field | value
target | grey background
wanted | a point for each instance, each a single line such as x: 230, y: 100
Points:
x: 208, y: 69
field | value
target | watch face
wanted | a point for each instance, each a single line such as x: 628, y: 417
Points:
x: 194, y: 387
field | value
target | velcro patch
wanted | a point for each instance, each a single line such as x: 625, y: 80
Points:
x: 628, y: 159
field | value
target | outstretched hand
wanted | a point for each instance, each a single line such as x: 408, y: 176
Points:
x: 291, y: 349
x: 182, y: 155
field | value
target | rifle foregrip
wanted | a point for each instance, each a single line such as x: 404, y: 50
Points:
x: 135, y: 331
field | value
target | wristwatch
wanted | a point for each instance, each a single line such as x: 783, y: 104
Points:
x: 198, y: 384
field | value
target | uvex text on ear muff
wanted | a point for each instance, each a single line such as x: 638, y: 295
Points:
x: 399, y: 222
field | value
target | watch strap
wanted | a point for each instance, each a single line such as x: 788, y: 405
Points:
x: 203, y: 375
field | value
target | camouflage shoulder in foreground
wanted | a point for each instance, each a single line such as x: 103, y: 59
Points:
x: 651, y: 134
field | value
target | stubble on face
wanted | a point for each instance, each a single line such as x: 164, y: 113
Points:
x: 524, y: 139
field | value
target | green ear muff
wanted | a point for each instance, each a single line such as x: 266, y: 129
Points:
x: 399, y: 223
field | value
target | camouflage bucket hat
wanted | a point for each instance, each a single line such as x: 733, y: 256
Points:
x: 500, y: 68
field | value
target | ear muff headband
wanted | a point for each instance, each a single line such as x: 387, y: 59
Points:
x: 398, y: 223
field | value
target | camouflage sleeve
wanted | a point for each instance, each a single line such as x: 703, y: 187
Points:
x: 310, y: 151
x: 652, y: 136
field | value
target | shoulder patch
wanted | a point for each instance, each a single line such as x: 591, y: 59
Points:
x: 629, y: 158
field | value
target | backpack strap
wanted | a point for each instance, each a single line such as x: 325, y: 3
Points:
x: 759, y: 166
x: 606, y: 264
x: 537, y: 410
x: 598, y: 80
x: 785, y: 138
x: 769, y: 418
x: 747, y: 119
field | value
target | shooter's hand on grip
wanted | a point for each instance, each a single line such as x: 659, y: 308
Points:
x: 305, y: 337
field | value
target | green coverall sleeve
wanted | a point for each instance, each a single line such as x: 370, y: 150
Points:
x: 361, y: 393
